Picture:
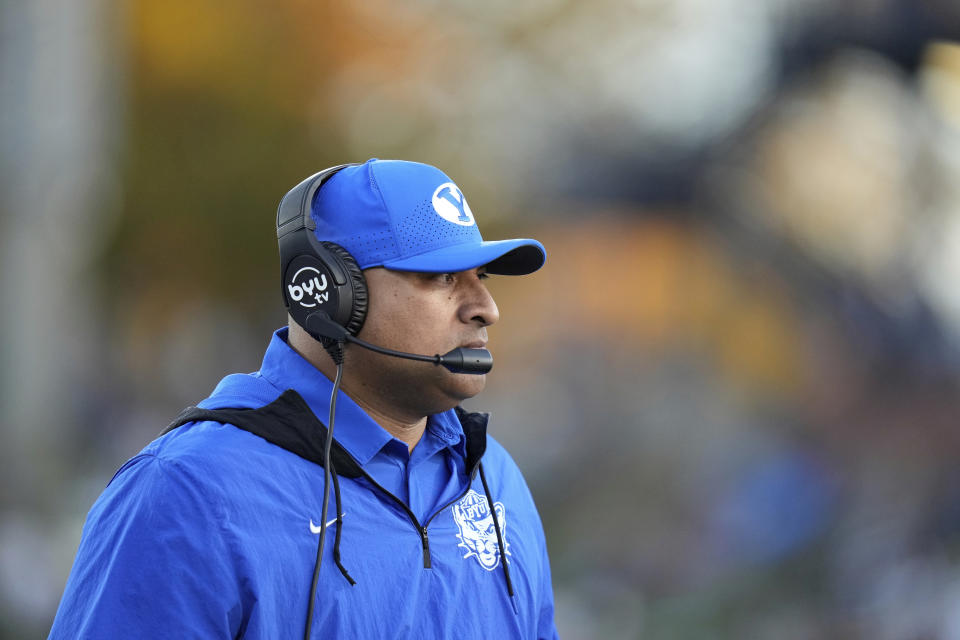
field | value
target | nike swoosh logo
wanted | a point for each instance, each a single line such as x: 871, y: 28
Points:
x: 315, y: 528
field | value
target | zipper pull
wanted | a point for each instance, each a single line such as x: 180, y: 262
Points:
x: 426, y: 548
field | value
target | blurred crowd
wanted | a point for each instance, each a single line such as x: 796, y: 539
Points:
x: 732, y: 388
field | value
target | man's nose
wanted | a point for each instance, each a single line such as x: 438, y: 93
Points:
x: 479, y: 304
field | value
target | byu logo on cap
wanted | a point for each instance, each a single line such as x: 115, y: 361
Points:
x: 451, y: 205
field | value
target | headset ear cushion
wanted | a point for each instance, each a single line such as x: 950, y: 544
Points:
x: 357, y: 283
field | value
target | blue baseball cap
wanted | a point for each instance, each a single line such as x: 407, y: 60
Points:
x: 409, y: 216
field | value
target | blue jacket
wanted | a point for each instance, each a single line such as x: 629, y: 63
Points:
x: 210, y: 531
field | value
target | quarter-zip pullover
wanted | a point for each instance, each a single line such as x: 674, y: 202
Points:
x: 209, y: 531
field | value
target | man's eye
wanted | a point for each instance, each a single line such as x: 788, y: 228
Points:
x: 483, y: 275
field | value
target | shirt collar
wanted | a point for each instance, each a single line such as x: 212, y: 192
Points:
x: 446, y: 428
x: 359, y: 434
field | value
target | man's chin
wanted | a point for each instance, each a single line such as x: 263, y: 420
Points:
x: 461, y: 386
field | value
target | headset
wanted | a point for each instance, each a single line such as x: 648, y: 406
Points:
x: 320, y: 280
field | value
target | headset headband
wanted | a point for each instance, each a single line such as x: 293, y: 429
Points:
x: 293, y: 213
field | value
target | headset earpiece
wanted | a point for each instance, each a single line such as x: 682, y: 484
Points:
x: 354, y: 315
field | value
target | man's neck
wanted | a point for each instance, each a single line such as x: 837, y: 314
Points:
x: 408, y: 429
x: 402, y: 422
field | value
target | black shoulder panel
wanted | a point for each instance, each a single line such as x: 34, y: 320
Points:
x: 286, y: 422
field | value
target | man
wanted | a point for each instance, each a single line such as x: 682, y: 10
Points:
x: 217, y: 528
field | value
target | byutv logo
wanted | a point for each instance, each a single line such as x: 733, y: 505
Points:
x: 308, y: 287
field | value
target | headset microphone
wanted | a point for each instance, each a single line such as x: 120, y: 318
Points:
x: 465, y: 360
x: 459, y: 360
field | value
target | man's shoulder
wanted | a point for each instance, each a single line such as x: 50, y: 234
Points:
x: 200, y: 463
x: 201, y: 440
x: 195, y: 450
x: 207, y: 446
x: 206, y: 438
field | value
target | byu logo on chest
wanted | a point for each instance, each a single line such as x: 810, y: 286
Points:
x: 477, y: 533
x: 451, y: 205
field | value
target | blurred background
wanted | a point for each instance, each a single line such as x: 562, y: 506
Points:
x: 732, y: 388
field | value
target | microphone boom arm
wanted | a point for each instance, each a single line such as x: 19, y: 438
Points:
x: 459, y: 360
x: 435, y: 359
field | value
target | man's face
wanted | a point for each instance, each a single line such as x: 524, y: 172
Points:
x: 425, y: 313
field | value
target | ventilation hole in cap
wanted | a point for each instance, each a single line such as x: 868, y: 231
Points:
x: 424, y: 230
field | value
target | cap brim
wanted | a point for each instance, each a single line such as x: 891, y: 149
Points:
x: 502, y: 257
